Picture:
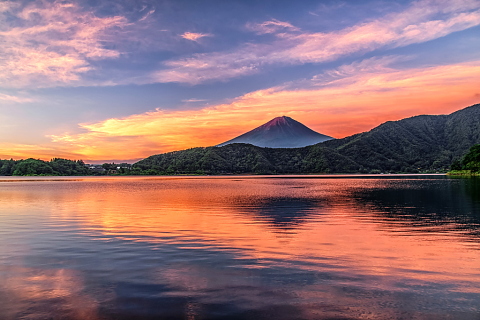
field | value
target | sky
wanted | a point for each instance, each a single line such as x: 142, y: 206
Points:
x: 120, y: 80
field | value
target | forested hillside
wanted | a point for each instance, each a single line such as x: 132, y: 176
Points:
x: 246, y: 158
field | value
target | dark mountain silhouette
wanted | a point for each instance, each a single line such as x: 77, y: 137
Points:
x: 281, y: 132
x: 417, y: 144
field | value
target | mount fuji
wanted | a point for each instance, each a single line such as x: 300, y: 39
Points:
x: 280, y: 132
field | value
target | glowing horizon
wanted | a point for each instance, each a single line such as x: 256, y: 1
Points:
x: 95, y: 83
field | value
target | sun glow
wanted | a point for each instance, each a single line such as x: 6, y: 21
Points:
x: 339, y: 108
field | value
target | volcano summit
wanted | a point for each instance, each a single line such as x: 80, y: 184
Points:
x: 280, y: 132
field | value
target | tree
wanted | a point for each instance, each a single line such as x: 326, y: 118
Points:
x: 471, y: 161
x: 31, y: 167
x: 456, y: 165
x: 7, y: 167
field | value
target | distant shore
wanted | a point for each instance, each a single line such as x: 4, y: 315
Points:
x: 463, y: 173
x: 229, y: 176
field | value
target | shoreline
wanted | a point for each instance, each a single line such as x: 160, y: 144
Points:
x: 244, y: 176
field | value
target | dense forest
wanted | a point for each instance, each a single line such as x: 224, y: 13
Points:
x: 54, y: 167
x: 60, y: 167
x: 417, y: 144
x: 246, y: 158
x: 470, y: 164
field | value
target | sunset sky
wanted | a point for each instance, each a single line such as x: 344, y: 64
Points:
x: 120, y: 80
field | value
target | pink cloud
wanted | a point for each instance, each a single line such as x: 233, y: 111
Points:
x: 418, y: 23
x: 373, y: 65
x: 193, y: 100
x: 272, y: 26
x: 364, y: 96
x: 50, y: 43
x: 7, y: 6
x: 149, y: 13
x: 15, y: 99
x: 193, y: 36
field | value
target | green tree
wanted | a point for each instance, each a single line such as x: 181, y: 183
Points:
x: 7, y: 167
x: 471, y: 161
x: 456, y: 165
x: 31, y: 167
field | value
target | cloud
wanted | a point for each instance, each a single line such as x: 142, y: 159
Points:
x: 420, y: 22
x: 363, y: 97
x: 272, y: 26
x: 373, y: 65
x: 16, y: 99
x: 51, y: 43
x: 145, y: 17
x: 7, y: 6
x: 193, y: 36
x: 22, y: 151
x: 40, y: 286
x: 194, y: 100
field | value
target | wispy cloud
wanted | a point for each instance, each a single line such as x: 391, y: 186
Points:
x: 46, y: 152
x: 48, y: 43
x: 422, y: 21
x: 272, y: 26
x: 194, y: 100
x: 194, y: 36
x: 7, y: 6
x: 361, y: 98
x: 373, y: 65
x: 146, y: 16
x: 15, y: 99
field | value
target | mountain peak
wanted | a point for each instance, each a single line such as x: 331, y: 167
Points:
x: 279, y: 121
x: 280, y: 132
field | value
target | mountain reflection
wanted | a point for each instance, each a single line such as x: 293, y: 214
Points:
x: 472, y: 189
x: 285, y: 213
x: 422, y: 205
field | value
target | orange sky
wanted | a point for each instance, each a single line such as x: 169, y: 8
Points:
x: 344, y: 107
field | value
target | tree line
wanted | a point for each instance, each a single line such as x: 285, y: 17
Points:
x: 59, y: 167
x: 230, y: 159
x: 54, y: 167
x: 469, y: 164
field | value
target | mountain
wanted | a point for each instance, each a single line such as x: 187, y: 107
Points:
x: 280, y: 132
x: 425, y: 143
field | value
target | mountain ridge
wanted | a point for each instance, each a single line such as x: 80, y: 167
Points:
x: 424, y: 143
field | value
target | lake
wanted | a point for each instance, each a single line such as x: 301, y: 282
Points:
x: 240, y: 247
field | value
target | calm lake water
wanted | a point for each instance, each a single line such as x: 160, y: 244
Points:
x: 331, y: 247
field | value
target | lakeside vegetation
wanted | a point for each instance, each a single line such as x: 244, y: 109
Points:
x: 36, y: 167
x: 59, y: 167
x: 234, y: 158
x: 469, y: 165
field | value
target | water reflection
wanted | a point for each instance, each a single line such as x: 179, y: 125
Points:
x: 426, y: 206
x: 253, y: 248
x: 285, y: 213
x: 31, y: 293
